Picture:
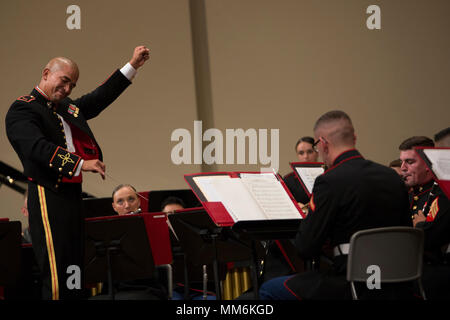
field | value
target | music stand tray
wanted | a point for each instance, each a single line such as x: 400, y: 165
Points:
x: 117, y: 248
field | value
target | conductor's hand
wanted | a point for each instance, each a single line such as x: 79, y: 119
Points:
x: 94, y: 166
x: 140, y: 55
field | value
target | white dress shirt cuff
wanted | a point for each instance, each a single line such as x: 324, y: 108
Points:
x: 77, y: 172
x: 128, y: 71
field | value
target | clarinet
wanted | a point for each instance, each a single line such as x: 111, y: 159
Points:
x: 431, y: 196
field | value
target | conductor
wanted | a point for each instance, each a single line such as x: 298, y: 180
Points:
x: 51, y: 136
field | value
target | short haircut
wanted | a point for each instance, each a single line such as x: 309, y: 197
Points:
x: 397, y: 163
x: 120, y: 186
x: 442, y: 134
x: 172, y: 200
x: 416, y: 141
x: 344, y: 134
x: 306, y: 139
x: 56, y: 64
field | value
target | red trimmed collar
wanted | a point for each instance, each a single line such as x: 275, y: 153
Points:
x: 344, y: 157
x: 42, y: 93
x: 419, y: 190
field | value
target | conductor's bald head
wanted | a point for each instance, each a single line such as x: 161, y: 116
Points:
x: 60, y: 62
x: 59, y: 77
x: 334, y: 134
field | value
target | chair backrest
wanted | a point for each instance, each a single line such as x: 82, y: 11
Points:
x: 397, y: 251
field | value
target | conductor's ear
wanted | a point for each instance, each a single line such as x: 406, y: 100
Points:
x: 45, y: 73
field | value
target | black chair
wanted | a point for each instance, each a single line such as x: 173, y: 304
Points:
x: 397, y: 251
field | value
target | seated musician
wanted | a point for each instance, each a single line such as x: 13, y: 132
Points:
x: 305, y: 150
x: 125, y: 200
x: 353, y: 194
x: 172, y: 204
x: 430, y: 211
x: 305, y: 153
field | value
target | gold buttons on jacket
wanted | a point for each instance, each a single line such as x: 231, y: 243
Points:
x: 416, y: 198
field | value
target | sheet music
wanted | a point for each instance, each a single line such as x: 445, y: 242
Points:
x: 207, y: 187
x: 234, y: 196
x: 251, y: 197
x: 440, y: 159
x: 239, y: 201
x: 270, y: 195
x: 309, y: 175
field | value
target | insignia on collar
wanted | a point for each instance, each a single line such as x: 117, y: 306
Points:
x: 73, y: 110
x: 27, y: 98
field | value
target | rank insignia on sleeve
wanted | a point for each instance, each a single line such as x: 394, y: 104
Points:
x: 26, y: 98
x: 434, y: 209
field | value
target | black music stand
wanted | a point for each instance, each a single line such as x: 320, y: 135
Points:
x: 10, y: 252
x: 98, y: 207
x: 156, y: 198
x: 206, y: 243
x: 267, y: 229
x: 117, y: 248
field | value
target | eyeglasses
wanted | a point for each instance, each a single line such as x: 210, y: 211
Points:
x: 315, y: 144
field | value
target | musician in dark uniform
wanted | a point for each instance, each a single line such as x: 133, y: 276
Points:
x: 305, y: 153
x: 352, y: 195
x: 50, y: 134
x: 417, y: 177
x: 430, y: 209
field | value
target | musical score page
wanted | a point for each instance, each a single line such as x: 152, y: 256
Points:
x: 250, y: 197
x: 309, y: 175
x: 270, y: 195
x: 234, y: 196
x: 440, y: 159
